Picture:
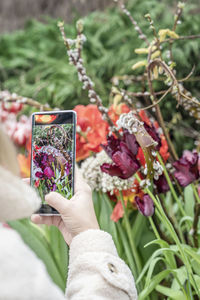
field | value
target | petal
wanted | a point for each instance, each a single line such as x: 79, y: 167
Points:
x: 161, y: 184
x: 118, y: 212
x: 112, y: 170
x: 145, y: 205
x: 127, y: 165
x: 112, y: 145
x: 184, y: 178
x: 191, y: 157
x: 131, y: 142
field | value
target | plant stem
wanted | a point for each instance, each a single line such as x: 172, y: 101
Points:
x: 129, y: 233
x: 171, y: 186
x: 178, y: 232
x: 195, y: 223
x: 195, y: 193
x: 163, y: 218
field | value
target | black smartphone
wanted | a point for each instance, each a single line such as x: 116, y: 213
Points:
x: 53, y: 155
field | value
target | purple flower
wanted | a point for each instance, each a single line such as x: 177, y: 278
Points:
x: 123, y: 154
x: 161, y: 184
x: 145, y: 205
x: 53, y: 187
x: 44, y: 159
x: 187, y: 168
x: 48, y: 172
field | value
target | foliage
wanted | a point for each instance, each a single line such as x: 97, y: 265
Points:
x: 164, y: 257
x: 33, y: 61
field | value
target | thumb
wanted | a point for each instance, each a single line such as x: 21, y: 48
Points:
x: 57, y: 201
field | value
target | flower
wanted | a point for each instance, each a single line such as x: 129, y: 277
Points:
x: 101, y: 181
x: 161, y: 184
x: 187, y: 168
x: 92, y: 130
x: 48, y: 172
x: 116, y: 110
x: 12, y: 107
x: 118, y: 212
x: 123, y: 154
x: 25, y: 160
x: 145, y: 205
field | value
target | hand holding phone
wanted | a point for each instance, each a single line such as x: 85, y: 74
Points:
x: 77, y: 215
x: 53, y: 155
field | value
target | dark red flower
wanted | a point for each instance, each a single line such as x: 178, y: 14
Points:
x: 124, y: 158
x: 161, y: 184
x: 187, y: 168
x: 145, y: 205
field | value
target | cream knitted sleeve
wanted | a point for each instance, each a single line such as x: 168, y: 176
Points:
x: 96, y: 271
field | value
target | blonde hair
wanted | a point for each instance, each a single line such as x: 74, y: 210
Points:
x: 8, y: 154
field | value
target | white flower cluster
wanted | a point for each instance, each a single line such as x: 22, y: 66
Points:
x: 99, y: 180
x: 130, y: 122
x: 158, y: 169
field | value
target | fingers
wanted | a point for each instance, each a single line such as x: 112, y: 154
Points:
x: 47, y: 220
x: 57, y: 201
x: 26, y: 180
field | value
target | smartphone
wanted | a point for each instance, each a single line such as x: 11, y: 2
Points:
x: 53, y: 155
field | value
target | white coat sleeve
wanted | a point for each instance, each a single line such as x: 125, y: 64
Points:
x: 22, y: 275
x: 96, y: 271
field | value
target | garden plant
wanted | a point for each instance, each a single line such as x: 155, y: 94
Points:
x: 145, y: 186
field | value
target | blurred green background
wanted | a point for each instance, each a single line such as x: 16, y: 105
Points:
x: 33, y: 60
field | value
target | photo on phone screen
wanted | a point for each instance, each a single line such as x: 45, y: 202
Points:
x: 53, y: 155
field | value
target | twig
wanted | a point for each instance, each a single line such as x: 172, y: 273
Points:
x: 142, y: 36
x: 178, y: 13
x: 6, y: 96
x: 184, y: 37
x: 157, y: 102
x: 158, y: 112
x: 75, y: 58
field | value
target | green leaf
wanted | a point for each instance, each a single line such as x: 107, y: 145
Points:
x: 154, y: 282
x: 169, y: 292
x: 38, y: 244
x: 189, y: 201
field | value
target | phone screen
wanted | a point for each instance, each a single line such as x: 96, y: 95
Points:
x: 53, y: 155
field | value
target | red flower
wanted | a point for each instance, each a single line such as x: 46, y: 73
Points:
x: 46, y: 119
x: 93, y: 130
x: 25, y: 161
x: 116, y: 110
x: 12, y: 107
x: 118, y: 212
x: 37, y: 183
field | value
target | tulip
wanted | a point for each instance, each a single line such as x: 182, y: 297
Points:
x: 145, y: 205
x: 123, y: 154
x: 187, y: 168
x: 161, y: 184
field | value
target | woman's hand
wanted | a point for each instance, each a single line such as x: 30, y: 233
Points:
x: 77, y: 214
